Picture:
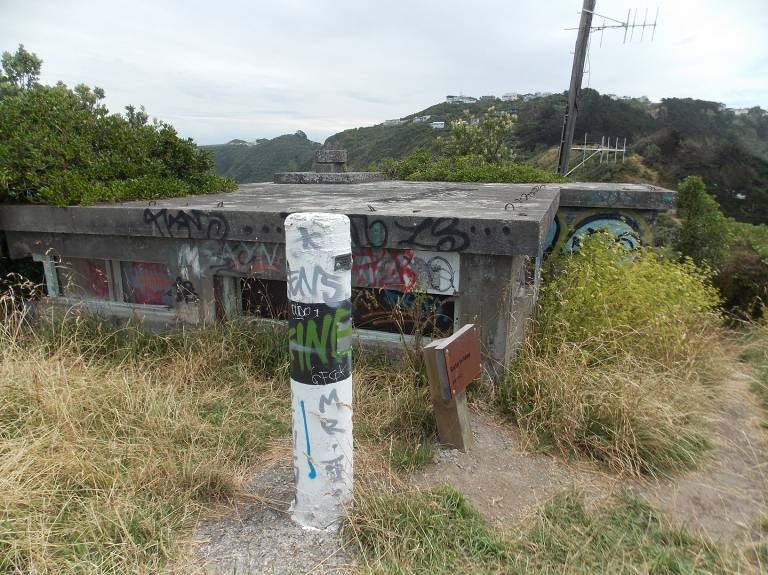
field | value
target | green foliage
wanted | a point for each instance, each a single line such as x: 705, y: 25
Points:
x: 438, y: 532
x: 625, y: 536
x: 21, y: 71
x: 705, y: 237
x: 608, y: 299
x: 669, y: 141
x: 258, y: 163
x: 755, y: 352
x: 369, y: 145
x: 472, y: 153
x: 486, y: 137
x: 737, y: 251
x: 424, y: 533
x: 422, y: 166
x: 63, y: 147
x: 614, y: 366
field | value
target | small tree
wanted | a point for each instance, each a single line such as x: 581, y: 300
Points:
x: 705, y: 233
x: 21, y: 70
x: 485, y: 138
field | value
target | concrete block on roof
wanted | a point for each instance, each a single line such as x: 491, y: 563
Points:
x: 331, y: 156
x: 328, y: 177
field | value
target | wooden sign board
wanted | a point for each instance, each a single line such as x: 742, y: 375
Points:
x: 452, y: 363
x: 459, y: 359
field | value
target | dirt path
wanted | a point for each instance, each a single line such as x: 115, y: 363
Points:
x: 501, y: 478
x: 727, y: 498
x: 257, y: 535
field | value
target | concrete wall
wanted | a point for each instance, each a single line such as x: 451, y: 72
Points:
x: 427, y: 257
x: 628, y: 211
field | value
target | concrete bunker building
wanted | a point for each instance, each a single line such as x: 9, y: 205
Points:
x: 428, y: 257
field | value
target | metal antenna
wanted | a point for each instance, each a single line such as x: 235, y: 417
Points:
x: 603, y: 151
x: 580, y: 54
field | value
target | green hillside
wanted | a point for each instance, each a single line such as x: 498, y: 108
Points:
x: 371, y: 144
x: 257, y: 163
x: 667, y: 141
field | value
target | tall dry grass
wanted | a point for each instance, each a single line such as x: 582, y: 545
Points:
x: 114, y: 441
x: 622, y: 361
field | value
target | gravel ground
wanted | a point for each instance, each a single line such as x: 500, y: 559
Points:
x: 260, y: 537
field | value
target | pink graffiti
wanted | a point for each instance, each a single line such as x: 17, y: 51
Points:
x: 146, y: 283
x: 384, y: 268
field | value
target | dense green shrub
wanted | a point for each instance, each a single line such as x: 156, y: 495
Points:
x: 486, y: 137
x: 614, y: 366
x: 423, y: 166
x: 477, y: 152
x: 62, y: 146
x: 743, y: 276
x: 606, y: 299
x: 737, y: 251
x: 705, y: 237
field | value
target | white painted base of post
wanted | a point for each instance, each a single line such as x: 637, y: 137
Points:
x: 322, y: 452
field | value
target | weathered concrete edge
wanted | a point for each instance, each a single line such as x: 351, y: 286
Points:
x: 486, y: 236
x: 634, y: 196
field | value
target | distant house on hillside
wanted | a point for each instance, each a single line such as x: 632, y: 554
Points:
x: 739, y: 111
x: 489, y: 98
x: 421, y: 119
x: 460, y: 99
x: 509, y: 96
x: 437, y: 125
x: 395, y: 122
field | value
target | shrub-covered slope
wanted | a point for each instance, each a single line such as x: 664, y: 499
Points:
x: 257, y: 163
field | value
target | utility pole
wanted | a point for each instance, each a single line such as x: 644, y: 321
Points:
x: 579, y: 56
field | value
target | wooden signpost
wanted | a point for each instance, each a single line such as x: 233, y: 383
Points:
x: 452, y: 363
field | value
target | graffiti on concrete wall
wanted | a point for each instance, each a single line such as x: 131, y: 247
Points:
x: 247, y: 258
x: 433, y: 234
x: 570, y: 226
x: 187, y: 224
x: 405, y: 270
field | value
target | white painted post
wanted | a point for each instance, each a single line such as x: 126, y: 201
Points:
x: 319, y: 259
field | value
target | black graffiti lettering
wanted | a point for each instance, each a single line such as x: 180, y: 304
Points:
x: 184, y: 291
x: 334, y: 469
x: 330, y: 399
x: 187, y: 224
x: 439, y: 234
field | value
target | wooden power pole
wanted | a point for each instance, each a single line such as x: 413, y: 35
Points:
x: 577, y: 72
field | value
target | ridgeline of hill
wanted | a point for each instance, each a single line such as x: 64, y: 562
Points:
x: 258, y: 161
x: 666, y: 142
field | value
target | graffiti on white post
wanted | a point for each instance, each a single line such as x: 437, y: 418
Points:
x: 319, y: 279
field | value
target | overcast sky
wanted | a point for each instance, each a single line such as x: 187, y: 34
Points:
x: 251, y: 68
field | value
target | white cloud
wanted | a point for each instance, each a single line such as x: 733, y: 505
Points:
x: 258, y: 69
